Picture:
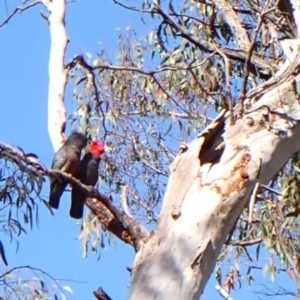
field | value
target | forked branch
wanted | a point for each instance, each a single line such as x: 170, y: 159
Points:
x: 19, y: 9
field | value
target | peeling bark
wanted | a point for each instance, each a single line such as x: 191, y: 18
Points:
x: 210, y: 183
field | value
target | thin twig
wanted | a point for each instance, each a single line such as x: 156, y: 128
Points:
x: 246, y: 243
x: 271, y: 189
x: 168, y: 95
x: 148, y: 164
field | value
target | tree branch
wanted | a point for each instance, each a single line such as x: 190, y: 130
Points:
x: 79, y: 59
x: 239, y: 55
x: 19, y: 9
x: 246, y: 242
x: 124, y: 227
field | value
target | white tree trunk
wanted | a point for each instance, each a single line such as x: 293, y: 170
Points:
x: 210, y: 183
x: 57, y: 72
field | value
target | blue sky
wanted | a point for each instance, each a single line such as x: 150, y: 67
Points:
x: 24, y: 53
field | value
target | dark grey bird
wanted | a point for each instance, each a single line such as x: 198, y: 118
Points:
x: 66, y: 159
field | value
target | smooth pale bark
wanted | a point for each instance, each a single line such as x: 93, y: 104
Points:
x: 57, y: 72
x: 210, y: 183
x: 295, y: 5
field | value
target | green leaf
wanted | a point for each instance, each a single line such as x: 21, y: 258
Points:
x: 2, y: 253
x: 168, y: 130
x: 257, y: 251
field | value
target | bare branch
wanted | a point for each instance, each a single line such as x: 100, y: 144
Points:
x: 19, y: 9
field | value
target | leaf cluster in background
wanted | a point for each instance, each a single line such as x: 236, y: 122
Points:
x: 17, y: 285
x: 163, y: 88
x: 20, y: 186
